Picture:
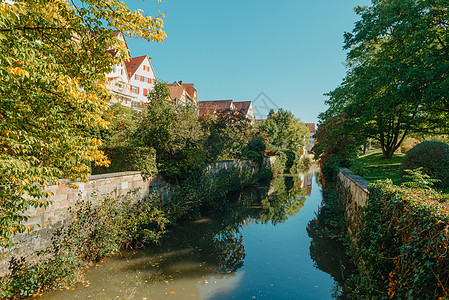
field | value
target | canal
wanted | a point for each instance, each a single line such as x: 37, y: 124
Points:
x: 266, y: 246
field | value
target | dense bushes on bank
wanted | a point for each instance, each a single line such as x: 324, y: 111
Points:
x: 331, y: 167
x: 129, y: 159
x: 432, y: 157
x: 403, y: 244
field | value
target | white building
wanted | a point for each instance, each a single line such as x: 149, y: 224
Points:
x: 141, y: 78
x: 118, y: 80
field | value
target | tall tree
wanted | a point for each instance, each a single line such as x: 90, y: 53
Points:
x: 398, y: 61
x: 228, y: 134
x: 52, y: 92
x: 174, y: 132
x: 284, y: 131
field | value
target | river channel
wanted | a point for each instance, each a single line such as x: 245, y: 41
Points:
x: 266, y: 246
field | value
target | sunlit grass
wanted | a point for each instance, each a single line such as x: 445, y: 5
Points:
x: 372, y: 167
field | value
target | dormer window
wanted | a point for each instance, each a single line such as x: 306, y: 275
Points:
x: 133, y: 66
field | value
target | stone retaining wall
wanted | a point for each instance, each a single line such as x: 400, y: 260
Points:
x: 353, y: 192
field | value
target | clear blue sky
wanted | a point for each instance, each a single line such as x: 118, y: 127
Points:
x: 289, y: 49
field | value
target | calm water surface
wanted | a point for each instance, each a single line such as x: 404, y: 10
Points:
x: 267, y: 246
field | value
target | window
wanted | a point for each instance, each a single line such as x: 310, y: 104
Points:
x: 149, y: 80
x: 142, y: 78
x: 133, y: 66
x: 135, y: 89
x: 145, y: 92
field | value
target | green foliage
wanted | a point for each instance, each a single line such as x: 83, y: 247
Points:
x: 228, y: 135
x: 331, y: 166
x: 415, y: 179
x: 208, y: 191
x: 93, y: 232
x: 129, y: 159
x: 284, y: 131
x: 27, y: 279
x: 396, y: 62
x: 279, y: 165
x: 334, y: 138
x: 52, y: 92
x: 301, y: 164
x: 403, y: 244
x: 433, y: 157
x: 254, y: 149
x: 175, y: 133
x: 291, y: 156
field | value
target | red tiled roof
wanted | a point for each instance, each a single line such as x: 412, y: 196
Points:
x: 311, y: 127
x: 243, y: 106
x: 210, y: 107
x: 133, y: 64
x: 190, y: 89
x: 175, y: 91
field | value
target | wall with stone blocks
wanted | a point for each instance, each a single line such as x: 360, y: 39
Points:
x: 353, y: 192
x: 241, y: 164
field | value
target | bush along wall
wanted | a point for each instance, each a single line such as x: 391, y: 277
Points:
x: 129, y: 159
x: 208, y: 191
x: 93, y: 232
x: 403, y: 246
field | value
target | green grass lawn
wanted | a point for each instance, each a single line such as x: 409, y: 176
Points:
x: 372, y: 167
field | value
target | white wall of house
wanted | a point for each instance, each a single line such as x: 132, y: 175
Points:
x: 119, y: 86
x: 142, y: 81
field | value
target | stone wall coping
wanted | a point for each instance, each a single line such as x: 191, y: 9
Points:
x: 111, y: 175
x: 360, y: 181
x: 228, y: 160
x: 104, y: 176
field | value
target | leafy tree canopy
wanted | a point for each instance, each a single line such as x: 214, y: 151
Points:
x: 174, y: 132
x: 397, y: 71
x: 228, y: 134
x: 284, y: 131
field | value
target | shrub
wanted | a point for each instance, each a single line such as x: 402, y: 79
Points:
x: 289, y: 163
x: 207, y: 191
x: 279, y: 165
x: 301, y: 164
x: 403, y: 244
x: 331, y: 165
x: 433, y: 157
x: 94, y: 231
x: 129, y: 159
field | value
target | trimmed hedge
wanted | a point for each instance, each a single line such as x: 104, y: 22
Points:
x: 433, y: 157
x: 129, y: 159
x: 404, y: 244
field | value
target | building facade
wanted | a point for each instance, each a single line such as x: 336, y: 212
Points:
x: 141, y: 78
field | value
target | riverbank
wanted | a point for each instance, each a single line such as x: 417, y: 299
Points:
x: 399, y: 237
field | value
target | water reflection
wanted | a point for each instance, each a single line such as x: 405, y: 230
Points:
x: 259, y: 248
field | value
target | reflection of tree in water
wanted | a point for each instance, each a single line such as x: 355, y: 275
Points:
x: 329, y: 256
x: 286, y: 201
x: 230, y: 252
x: 215, y: 242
